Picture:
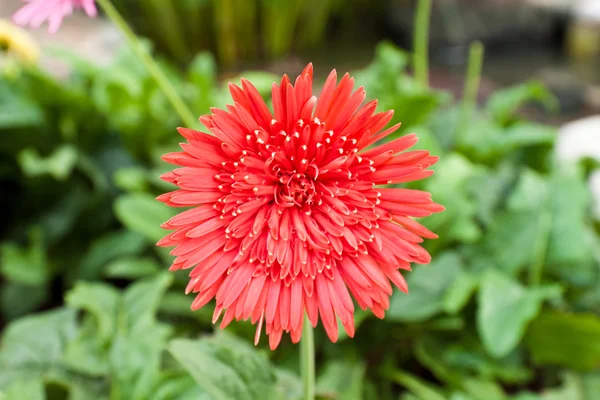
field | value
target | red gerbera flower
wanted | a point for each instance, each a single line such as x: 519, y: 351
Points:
x: 289, y: 213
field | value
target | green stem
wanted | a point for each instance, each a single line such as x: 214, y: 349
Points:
x: 421, y: 41
x: 472, y: 81
x: 473, y: 77
x: 307, y: 360
x: 187, y: 117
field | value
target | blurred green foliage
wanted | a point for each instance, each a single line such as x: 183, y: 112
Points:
x: 508, y: 309
x: 247, y: 30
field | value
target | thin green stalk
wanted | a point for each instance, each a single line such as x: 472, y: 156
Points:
x: 473, y: 77
x: 307, y: 359
x: 472, y: 81
x: 421, y: 41
x: 153, y: 69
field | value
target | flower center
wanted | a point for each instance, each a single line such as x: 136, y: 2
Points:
x: 295, y: 189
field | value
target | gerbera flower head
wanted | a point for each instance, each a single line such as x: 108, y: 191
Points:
x: 36, y: 12
x: 290, y: 213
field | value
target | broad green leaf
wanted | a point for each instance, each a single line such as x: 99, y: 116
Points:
x: 109, y: 247
x: 288, y: 385
x: 254, y: 369
x: 220, y: 380
x: 449, y: 187
x: 417, y: 386
x: 227, y: 367
x: 17, y: 299
x: 341, y: 379
x: 101, y: 301
x: 88, y: 352
x: 427, y: 287
x: 527, y: 134
x: 512, y: 239
x: 459, y: 292
x: 531, y: 191
x: 132, y: 268
x: 135, y: 360
x: 140, y: 302
x: 32, y: 347
x: 572, y: 241
x: 16, y: 110
x: 135, y: 353
x: 131, y: 179
x: 178, y: 304
x: 505, y: 309
x: 28, y: 265
x: 143, y: 214
x: 59, y: 164
x: 503, y: 104
x: 488, y: 189
x: 24, y: 390
x: 464, y: 365
x: 179, y: 387
x: 569, y: 340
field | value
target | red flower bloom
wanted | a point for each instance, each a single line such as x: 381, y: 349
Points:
x: 289, y: 215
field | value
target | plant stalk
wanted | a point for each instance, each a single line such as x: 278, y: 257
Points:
x: 187, y: 117
x: 421, y: 42
x: 307, y: 359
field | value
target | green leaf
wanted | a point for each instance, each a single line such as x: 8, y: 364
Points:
x: 143, y: 214
x: 179, y: 387
x: 342, y: 380
x: 512, y: 239
x: 427, y: 287
x: 456, y: 363
x: 16, y: 110
x: 228, y: 368
x: 131, y: 179
x: 568, y: 340
x: 108, y: 247
x: 459, y: 293
x: 140, y: 302
x: 531, y: 191
x: 135, y: 354
x: 25, y: 265
x: 417, y: 386
x: 220, y: 380
x: 503, y: 104
x: 505, y: 309
x: 288, y: 385
x: 59, y: 164
x: 24, y: 390
x: 449, y: 187
x: 32, y: 347
x: 100, y: 300
x: 572, y: 242
x: 132, y: 268
x: 17, y: 299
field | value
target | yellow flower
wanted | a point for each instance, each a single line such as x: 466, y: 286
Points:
x: 18, y: 42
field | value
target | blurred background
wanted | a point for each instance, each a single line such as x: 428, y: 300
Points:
x: 509, y: 307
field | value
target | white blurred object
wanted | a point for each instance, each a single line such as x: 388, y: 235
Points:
x: 587, y: 10
x: 582, y: 10
x: 581, y: 139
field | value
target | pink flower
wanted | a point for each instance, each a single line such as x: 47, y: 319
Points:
x: 36, y: 12
x: 292, y: 212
